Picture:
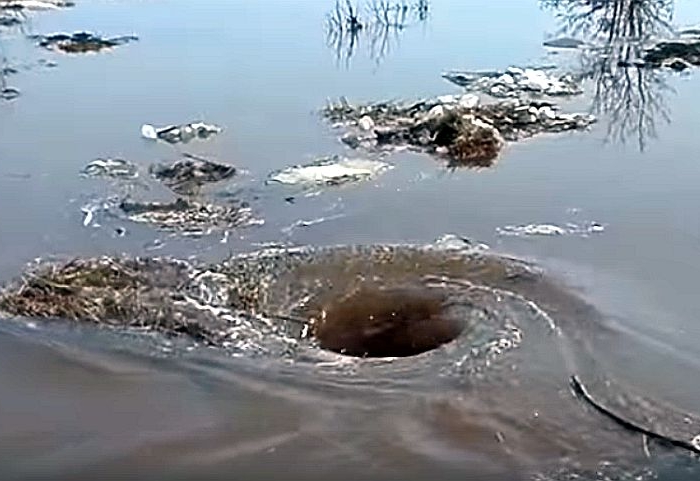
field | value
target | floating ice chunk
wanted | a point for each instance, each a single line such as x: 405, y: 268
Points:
x: 454, y: 242
x: 330, y: 171
x: 436, y: 112
x: 93, y: 209
x: 149, y: 132
x: 446, y: 99
x: 696, y: 442
x: 88, y: 216
x: 515, y: 81
x: 180, y: 133
x: 530, y: 230
x: 366, y: 123
x: 113, y: 168
x: 468, y: 101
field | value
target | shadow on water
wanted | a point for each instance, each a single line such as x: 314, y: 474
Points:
x: 634, y: 98
x: 379, y: 24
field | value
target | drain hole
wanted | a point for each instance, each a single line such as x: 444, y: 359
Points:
x: 387, y: 323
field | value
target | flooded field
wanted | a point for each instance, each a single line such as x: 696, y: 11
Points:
x: 374, y: 240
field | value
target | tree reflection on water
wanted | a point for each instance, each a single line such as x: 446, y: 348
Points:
x: 632, y: 97
x: 379, y: 23
x: 12, y: 23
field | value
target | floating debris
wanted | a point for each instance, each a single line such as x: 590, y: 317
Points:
x: 8, y: 70
x: 302, y: 223
x: 9, y: 93
x: 174, y: 134
x: 677, y: 54
x: 188, y: 217
x: 112, y: 292
x: 532, y: 230
x: 35, y: 4
x: 111, y: 168
x: 455, y: 127
x: 43, y: 62
x: 8, y: 21
x: 604, y: 471
x: 458, y: 243
x: 334, y: 170
x: 677, y: 430
x: 188, y: 175
x: 516, y: 81
x: 564, y: 43
x: 467, y: 140
x: 93, y: 209
x: 81, y: 42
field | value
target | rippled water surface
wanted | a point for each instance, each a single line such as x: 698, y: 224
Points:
x: 617, y: 302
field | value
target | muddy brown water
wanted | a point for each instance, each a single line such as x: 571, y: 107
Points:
x: 80, y: 403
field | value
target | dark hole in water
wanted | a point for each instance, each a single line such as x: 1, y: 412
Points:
x: 387, y: 323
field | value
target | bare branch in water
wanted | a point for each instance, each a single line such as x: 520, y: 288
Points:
x: 583, y: 393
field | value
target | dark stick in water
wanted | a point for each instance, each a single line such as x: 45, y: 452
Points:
x: 582, y: 392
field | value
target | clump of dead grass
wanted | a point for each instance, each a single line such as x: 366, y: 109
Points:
x: 111, y: 292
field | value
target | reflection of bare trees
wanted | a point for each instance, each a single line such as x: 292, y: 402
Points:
x: 12, y: 21
x: 613, y: 19
x: 632, y: 97
x: 6, y: 91
x: 379, y: 24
